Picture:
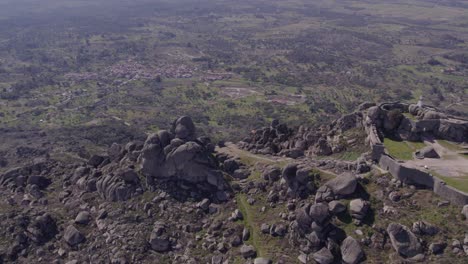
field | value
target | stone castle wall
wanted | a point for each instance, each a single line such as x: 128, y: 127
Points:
x: 441, y: 128
x: 420, y: 178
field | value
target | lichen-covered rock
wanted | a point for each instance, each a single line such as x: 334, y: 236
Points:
x: 464, y: 211
x: 262, y: 261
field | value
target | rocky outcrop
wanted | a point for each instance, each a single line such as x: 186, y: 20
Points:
x: 299, y: 180
x: 171, y: 158
x: 387, y: 118
x: 275, y: 139
x: 43, y: 229
x: 119, y: 186
x: 33, y: 174
x: 179, y: 156
x: 278, y: 139
x: 425, y: 113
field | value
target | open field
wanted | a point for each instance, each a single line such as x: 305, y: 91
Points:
x: 233, y: 66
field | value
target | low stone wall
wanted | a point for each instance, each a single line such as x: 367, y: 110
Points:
x: 377, y: 151
x: 421, y: 178
x: 373, y: 135
x: 373, y: 139
x: 448, y: 192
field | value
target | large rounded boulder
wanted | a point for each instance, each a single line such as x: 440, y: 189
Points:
x: 403, y: 240
x: 344, y: 184
x: 184, y: 128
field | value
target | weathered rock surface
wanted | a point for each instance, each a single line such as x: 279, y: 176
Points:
x: 424, y: 228
x: 464, y: 211
x: 43, y: 229
x: 114, y: 188
x: 83, y: 218
x: 403, y: 240
x: 323, y: 256
x: 263, y: 261
x: 183, y: 159
x: 342, y: 185
x: 319, y: 212
x: 298, y: 180
x: 336, y: 207
x: 159, y: 240
x: 72, y: 236
x: 358, y: 209
x: 248, y: 251
x: 427, y: 152
x: 351, y: 251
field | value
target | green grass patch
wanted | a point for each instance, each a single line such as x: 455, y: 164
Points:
x: 248, y: 221
x: 348, y: 155
x: 415, y: 145
x: 449, y: 145
x: 265, y: 244
x: 398, y: 149
x: 255, y: 175
x: 402, y: 150
x: 324, y: 175
x: 460, y: 183
x: 410, y: 116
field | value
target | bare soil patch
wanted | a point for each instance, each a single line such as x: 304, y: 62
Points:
x: 238, y: 92
x: 450, y: 164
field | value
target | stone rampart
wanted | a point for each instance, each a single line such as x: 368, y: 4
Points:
x: 420, y: 178
x: 448, y: 192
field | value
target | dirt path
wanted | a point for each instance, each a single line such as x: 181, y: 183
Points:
x: 250, y: 159
x: 450, y: 164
